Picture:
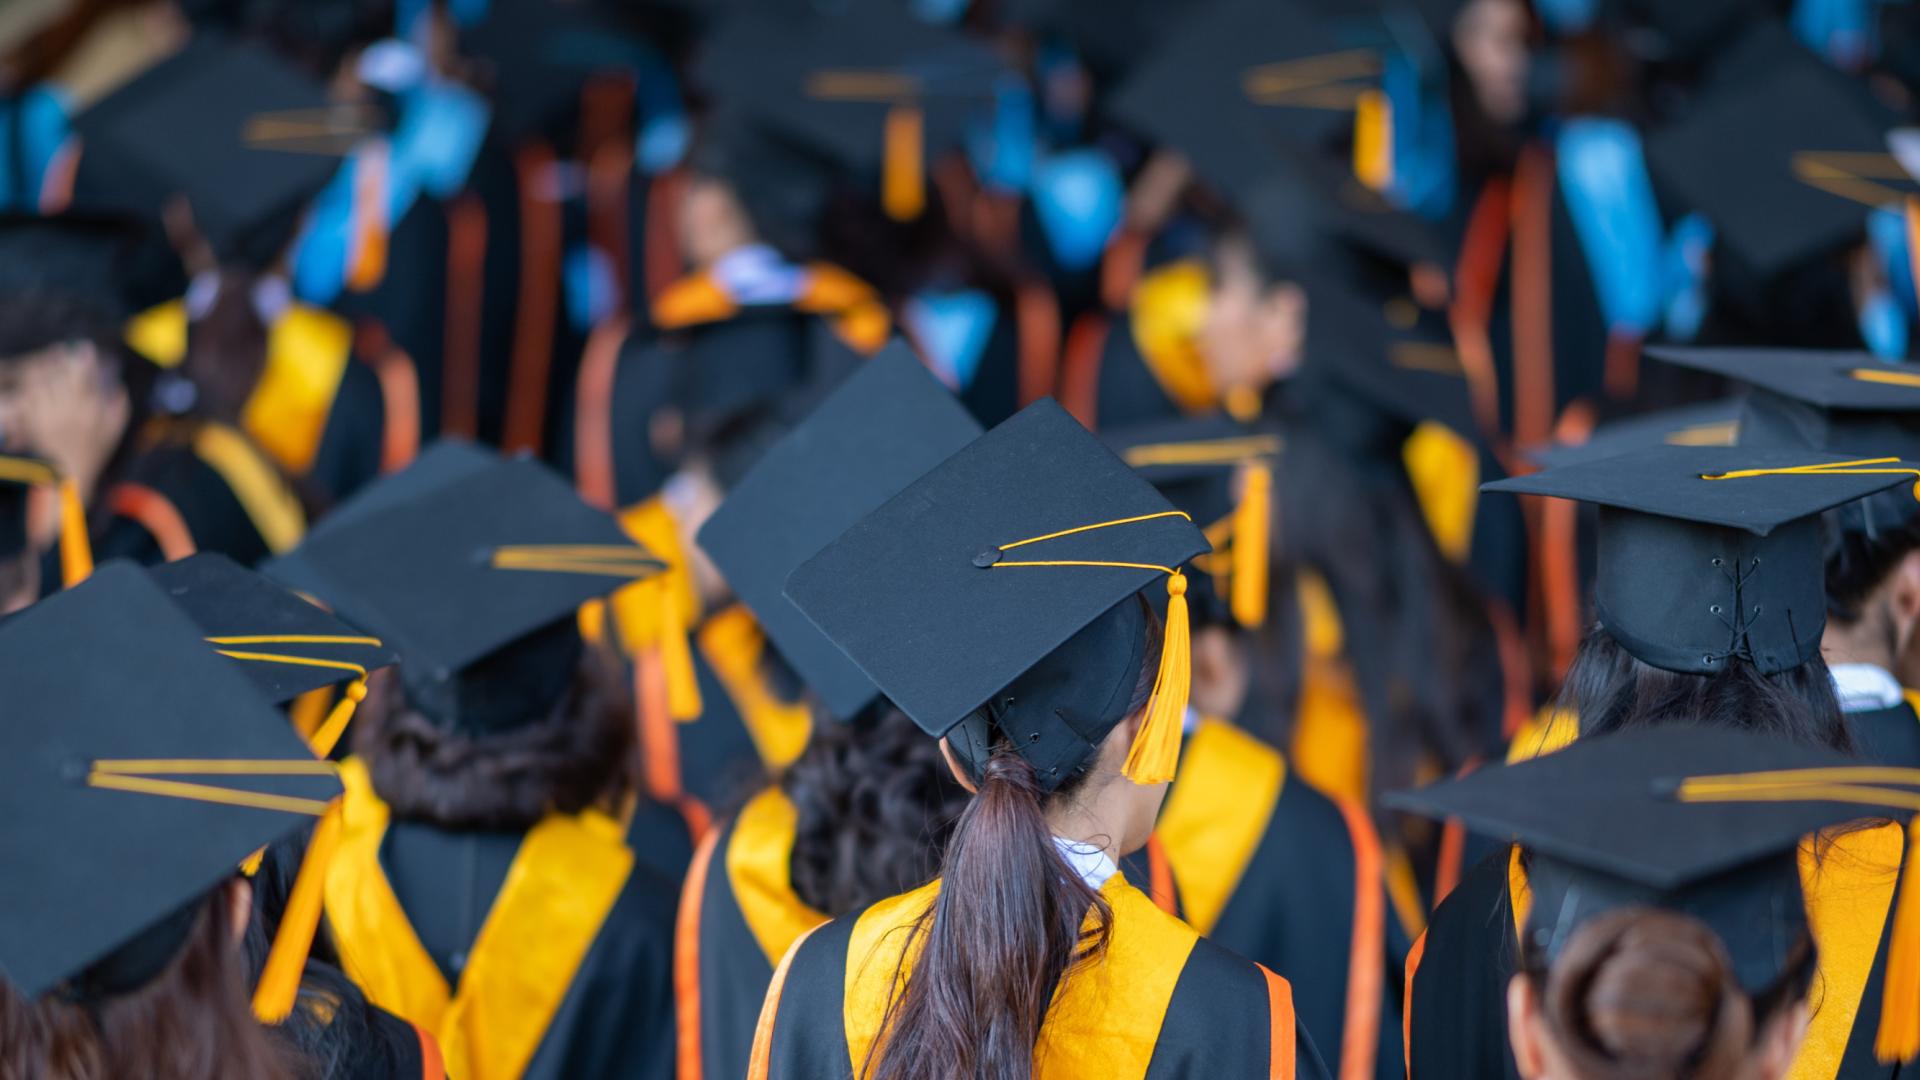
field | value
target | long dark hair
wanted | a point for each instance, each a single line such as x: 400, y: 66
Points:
x: 876, y: 804
x: 1420, y: 644
x: 190, y: 1022
x: 1011, y: 919
x: 1608, y: 689
x: 1865, y: 540
x: 577, y: 756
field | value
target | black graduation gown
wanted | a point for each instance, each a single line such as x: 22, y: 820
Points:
x: 1217, y: 1014
x: 1317, y: 930
x: 167, y: 484
x: 616, y: 1018
x: 1890, y: 735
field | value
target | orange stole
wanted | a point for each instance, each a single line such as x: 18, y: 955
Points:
x: 565, y: 879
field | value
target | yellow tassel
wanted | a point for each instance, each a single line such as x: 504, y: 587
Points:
x: 327, y: 735
x: 1251, y: 523
x: 1899, y: 1037
x: 251, y: 864
x: 903, y: 183
x: 76, y: 554
x: 1155, y: 754
x: 1373, y: 139
x: 279, y: 984
x: 650, y: 618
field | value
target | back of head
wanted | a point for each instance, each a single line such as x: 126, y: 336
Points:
x: 1644, y: 993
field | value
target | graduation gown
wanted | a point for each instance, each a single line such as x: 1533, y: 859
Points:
x: 1239, y: 831
x: 192, y: 485
x: 1457, y: 976
x: 1215, y: 1014
x: 1890, y: 735
x: 543, y: 954
x: 1144, y: 364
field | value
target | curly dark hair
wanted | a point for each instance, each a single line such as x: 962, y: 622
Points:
x: 876, y: 805
x: 579, y: 755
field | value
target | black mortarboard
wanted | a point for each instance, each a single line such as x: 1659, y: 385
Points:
x: 873, y: 89
x: 1244, y: 81
x: 1785, y: 161
x: 1000, y: 589
x: 542, y: 53
x: 1604, y: 831
x: 144, y: 770
x: 85, y: 256
x: 1711, y: 423
x: 882, y: 429
x: 474, y: 582
x: 1220, y: 471
x: 287, y: 644
x: 245, y: 138
x: 1844, y: 402
x: 1712, y: 553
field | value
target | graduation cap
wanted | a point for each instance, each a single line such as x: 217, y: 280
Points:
x: 541, y: 54
x: 999, y: 590
x: 287, y: 644
x: 1711, y: 423
x: 1708, y: 554
x: 1783, y: 157
x: 1604, y: 832
x: 474, y: 582
x: 1844, y: 402
x: 145, y: 769
x: 23, y: 480
x: 86, y: 256
x: 870, y: 88
x: 248, y: 141
x: 1220, y: 472
x: 884, y: 428
x: 1245, y: 81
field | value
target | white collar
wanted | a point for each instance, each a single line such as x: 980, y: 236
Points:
x: 1865, y: 687
x: 756, y: 274
x: 1087, y: 860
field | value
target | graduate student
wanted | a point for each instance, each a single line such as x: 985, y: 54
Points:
x: 863, y: 812
x: 1848, y: 403
x: 1240, y: 823
x: 1710, y: 607
x: 483, y: 871
x: 151, y: 780
x: 1665, y: 933
x: 998, y: 601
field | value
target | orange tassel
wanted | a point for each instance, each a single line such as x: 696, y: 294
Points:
x: 279, y: 984
x: 1155, y: 754
x: 903, y: 181
x: 1898, y: 1039
x: 76, y: 552
x: 327, y: 735
x: 1251, y: 524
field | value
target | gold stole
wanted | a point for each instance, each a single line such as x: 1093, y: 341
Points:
x: 1849, y: 889
x: 760, y: 872
x: 565, y: 879
x: 1106, y: 1016
x: 263, y: 494
x: 734, y: 644
x: 1216, y: 814
x: 1445, y: 471
x: 307, y: 353
x: 1166, y: 313
x: 1330, y: 730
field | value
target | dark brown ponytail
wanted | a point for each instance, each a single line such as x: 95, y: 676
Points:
x: 1644, y: 992
x: 1005, y: 929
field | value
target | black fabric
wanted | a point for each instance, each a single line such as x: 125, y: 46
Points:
x: 719, y: 762
x: 661, y: 838
x: 1220, y: 1023
x: 809, y: 1027
x: 1890, y: 735
x: 207, y: 505
x: 1127, y: 391
x: 1458, y: 1004
x: 734, y: 972
x: 351, y: 445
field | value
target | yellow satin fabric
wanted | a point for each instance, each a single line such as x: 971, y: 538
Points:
x: 568, y: 874
x: 1216, y: 814
x: 269, y: 503
x: 759, y: 860
x: 1106, y: 1016
x: 1167, y: 311
x: 1445, y: 471
x: 1550, y: 729
x: 1849, y: 887
x: 734, y: 645
x: 1330, y: 730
